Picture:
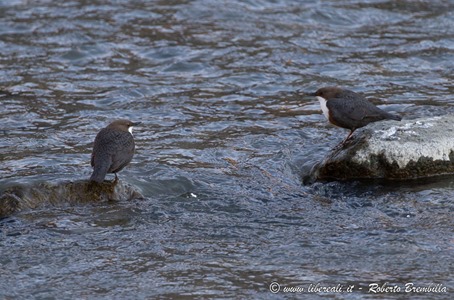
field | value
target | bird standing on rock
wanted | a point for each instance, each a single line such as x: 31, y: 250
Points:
x: 349, y: 110
x: 113, y: 149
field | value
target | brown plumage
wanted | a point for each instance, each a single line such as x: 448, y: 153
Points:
x: 113, y: 149
x: 349, y: 110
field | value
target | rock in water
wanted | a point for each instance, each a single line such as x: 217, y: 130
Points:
x: 21, y: 197
x: 393, y: 150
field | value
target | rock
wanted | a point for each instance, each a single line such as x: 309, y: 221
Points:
x: 9, y: 204
x: 393, y: 150
x: 20, y: 197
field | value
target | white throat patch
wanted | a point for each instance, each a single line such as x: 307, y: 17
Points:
x: 323, y: 106
x: 130, y: 130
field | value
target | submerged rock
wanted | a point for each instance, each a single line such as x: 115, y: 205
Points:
x: 393, y: 150
x: 20, y: 197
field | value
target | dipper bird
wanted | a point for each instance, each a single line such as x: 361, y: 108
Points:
x: 113, y: 149
x: 349, y: 110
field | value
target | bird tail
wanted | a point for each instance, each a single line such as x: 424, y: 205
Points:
x: 99, y: 172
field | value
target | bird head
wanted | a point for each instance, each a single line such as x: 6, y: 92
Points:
x: 329, y: 92
x: 123, y: 125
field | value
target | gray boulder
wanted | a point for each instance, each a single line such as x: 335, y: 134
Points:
x: 393, y: 150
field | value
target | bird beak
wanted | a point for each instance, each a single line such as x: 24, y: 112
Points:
x: 309, y: 96
x: 136, y: 123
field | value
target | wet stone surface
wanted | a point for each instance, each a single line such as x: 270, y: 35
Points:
x: 24, y: 197
x: 417, y: 148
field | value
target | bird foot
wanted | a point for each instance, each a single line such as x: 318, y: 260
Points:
x: 344, y: 142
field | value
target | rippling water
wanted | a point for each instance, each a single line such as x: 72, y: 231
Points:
x: 226, y: 137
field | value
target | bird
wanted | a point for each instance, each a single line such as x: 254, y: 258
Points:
x: 113, y: 149
x: 347, y: 109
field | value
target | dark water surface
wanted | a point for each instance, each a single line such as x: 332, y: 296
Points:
x: 225, y: 141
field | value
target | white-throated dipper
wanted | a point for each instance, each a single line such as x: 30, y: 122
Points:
x: 349, y: 110
x: 113, y: 149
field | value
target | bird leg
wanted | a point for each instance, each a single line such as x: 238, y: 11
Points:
x: 346, y: 139
x: 348, y: 136
x: 116, y: 179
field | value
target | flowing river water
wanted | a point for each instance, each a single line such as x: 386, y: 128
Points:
x: 225, y: 140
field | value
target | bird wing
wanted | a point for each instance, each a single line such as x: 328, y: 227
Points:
x: 355, y: 109
x: 110, y: 142
x: 124, y: 151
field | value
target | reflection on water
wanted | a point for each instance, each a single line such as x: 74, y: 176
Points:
x: 225, y: 140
